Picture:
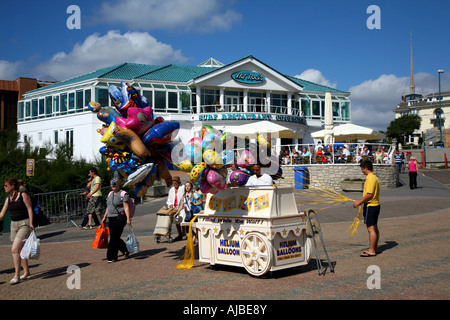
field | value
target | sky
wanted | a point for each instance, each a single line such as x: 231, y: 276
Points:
x: 346, y: 44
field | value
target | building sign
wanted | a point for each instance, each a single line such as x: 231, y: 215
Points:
x: 248, y: 77
x: 251, y: 116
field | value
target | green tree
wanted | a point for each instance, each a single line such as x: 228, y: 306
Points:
x: 403, y: 126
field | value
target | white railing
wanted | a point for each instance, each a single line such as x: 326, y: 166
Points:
x: 251, y: 108
x: 297, y: 154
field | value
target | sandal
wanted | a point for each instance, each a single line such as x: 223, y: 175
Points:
x: 366, y: 254
x: 14, y: 281
x: 24, y: 277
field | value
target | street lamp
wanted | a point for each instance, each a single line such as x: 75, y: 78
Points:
x: 440, y: 112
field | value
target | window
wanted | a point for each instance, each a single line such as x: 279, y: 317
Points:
x: 185, y: 101
x: 335, y: 107
x: 56, y: 104
x: 315, y: 109
x: 149, y: 95
x: 63, y: 103
x: 71, y: 101
x: 345, y: 111
x: 87, y: 97
x: 21, y: 111
x: 160, y: 101
x: 102, y: 96
x: 34, y: 109
x: 306, y: 108
x: 79, y: 101
x: 48, y: 106
x: 27, y: 109
x: 173, y: 101
x: 41, y: 108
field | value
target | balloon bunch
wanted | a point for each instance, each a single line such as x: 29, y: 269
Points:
x: 255, y: 153
x: 211, y: 157
x: 137, y: 144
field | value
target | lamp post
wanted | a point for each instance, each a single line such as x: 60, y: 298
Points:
x: 440, y: 111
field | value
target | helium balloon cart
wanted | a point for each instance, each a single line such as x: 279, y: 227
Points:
x: 258, y: 228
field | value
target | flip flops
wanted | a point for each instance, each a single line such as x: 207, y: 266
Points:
x: 366, y: 254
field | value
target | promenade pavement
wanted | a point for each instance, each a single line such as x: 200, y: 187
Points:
x: 414, y: 263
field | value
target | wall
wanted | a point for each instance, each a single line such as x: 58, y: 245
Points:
x: 330, y: 176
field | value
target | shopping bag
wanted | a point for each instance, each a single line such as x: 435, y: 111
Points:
x: 101, y: 238
x: 31, y: 248
x: 167, y: 211
x: 132, y: 243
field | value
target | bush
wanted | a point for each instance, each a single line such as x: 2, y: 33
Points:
x: 58, y: 173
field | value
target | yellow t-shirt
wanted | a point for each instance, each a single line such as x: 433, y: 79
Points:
x: 97, y: 180
x: 372, y: 185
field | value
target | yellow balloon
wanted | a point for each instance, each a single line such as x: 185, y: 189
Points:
x: 197, y: 171
x: 186, y: 165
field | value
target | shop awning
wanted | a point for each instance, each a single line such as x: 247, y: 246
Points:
x: 265, y: 127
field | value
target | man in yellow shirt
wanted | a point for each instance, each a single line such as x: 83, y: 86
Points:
x: 371, y: 210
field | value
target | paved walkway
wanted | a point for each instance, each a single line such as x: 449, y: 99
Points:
x: 414, y: 263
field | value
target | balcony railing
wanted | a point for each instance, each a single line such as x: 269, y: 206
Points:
x: 251, y: 108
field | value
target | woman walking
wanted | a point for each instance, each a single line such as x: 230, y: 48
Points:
x: 118, y: 214
x: 413, y: 168
x: 19, y: 206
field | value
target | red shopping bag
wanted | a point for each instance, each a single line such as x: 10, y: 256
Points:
x: 101, y: 238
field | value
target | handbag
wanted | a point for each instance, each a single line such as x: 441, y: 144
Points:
x: 132, y: 243
x: 101, y: 238
x: 167, y: 211
x: 31, y: 248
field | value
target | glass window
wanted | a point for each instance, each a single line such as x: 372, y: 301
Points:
x: 160, y: 101
x: 87, y: 97
x: 185, y: 101
x: 21, y: 111
x: 211, y: 97
x: 173, y: 101
x: 34, y: 108
x: 316, y: 109
x: 79, y: 101
x: 345, y: 111
x: 27, y: 109
x: 56, y: 104
x: 63, y: 102
x: 48, y: 106
x: 306, y: 108
x: 41, y: 107
x: 102, y: 96
x: 336, y: 113
x: 149, y: 95
x: 71, y: 101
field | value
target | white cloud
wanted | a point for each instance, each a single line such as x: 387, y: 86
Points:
x: 316, y: 76
x: 9, y: 70
x: 98, y: 51
x: 199, y: 15
x: 374, y: 100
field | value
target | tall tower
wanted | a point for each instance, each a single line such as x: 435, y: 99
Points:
x: 412, y: 88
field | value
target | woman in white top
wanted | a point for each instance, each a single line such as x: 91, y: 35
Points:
x: 173, y: 201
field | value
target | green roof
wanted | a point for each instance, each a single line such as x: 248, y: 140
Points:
x: 171, y: 72
x: 311, y: 86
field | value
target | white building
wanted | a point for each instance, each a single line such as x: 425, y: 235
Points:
x: 224, y: 96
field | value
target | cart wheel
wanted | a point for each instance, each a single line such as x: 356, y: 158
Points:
x: 256, y: 254
x: 170, y: 239
x: 158, y: 239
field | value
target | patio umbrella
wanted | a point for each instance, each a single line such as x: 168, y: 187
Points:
x: 252, y: 129
x: 328, y: 135
x: 350, y: 131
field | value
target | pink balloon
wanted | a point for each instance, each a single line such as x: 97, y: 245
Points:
x: 139, y: 120
x: 213, y: 177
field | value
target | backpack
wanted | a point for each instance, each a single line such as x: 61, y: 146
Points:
x: 131, y: 203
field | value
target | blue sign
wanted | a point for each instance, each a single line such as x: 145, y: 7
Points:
x: 248, y: 77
